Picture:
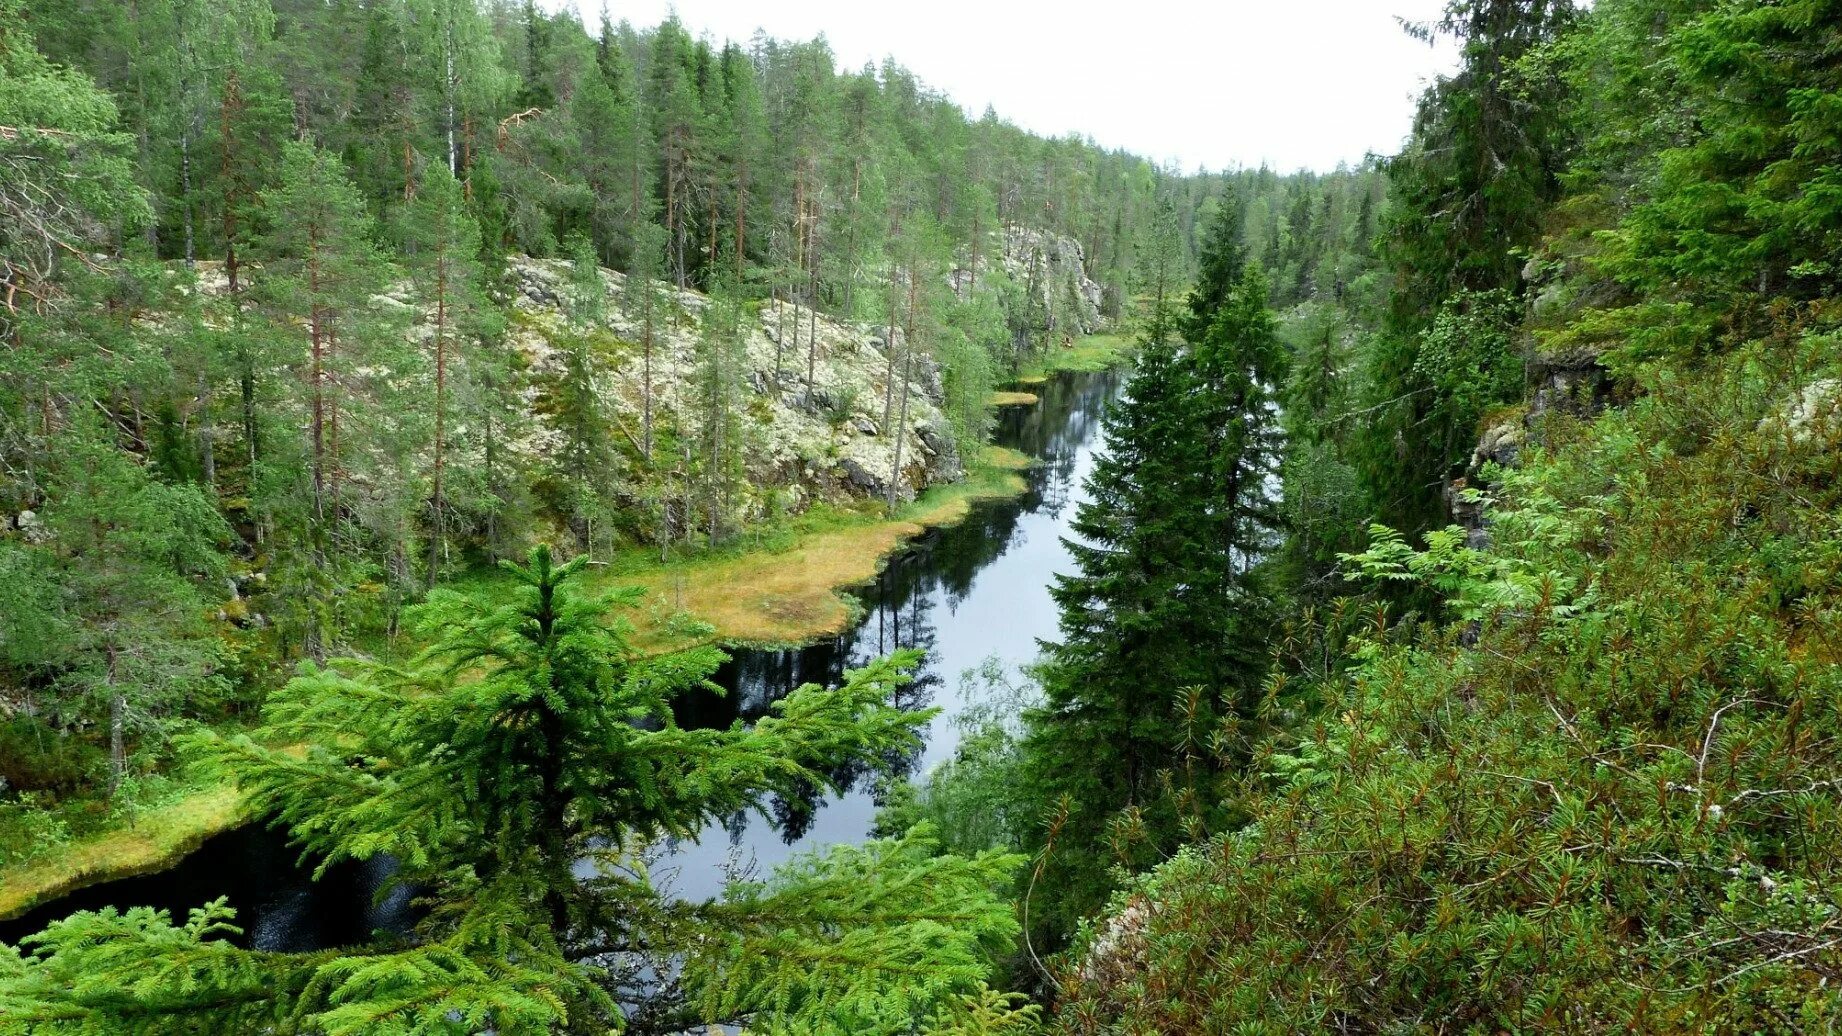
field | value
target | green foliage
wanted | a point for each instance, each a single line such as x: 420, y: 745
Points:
x: 1590, y: 791
x: 1728, y: 203
x: 1469, y: 191
x: 1165, y: 584
x: 30, y: 827
x: 526, y: 739
x: 1469, y: 359
x: 35, y: 756
x: 1322, y: 503
x: 64, y: 171
x: 971, y: 801
x: 832, y: 945
x: 1606, y: 812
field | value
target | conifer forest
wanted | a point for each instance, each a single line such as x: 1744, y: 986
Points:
x: 518, y: 521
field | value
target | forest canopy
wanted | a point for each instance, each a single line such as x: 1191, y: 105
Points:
x: 1447, y: 638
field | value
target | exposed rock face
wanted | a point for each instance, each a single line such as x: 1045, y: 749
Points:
x: 803, y: 442
x: 1499, y: 445
x: 1053, y: 270
x: 1570, y: 383
x: 1573, y: 384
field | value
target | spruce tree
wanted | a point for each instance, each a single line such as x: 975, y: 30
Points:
x: 584, y: 464
x: 1163, y: 621
x: 1471, y: 188
x: 526, y: 744
x: 320, y: 270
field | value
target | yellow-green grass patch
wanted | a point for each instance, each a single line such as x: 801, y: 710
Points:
x: 792, y: 594
x: 157, y: 839
x: 789, y: 593
x: 1086, y: 354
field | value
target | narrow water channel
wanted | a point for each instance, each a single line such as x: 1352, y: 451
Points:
x: 976, y: 591
x: 964, y: 594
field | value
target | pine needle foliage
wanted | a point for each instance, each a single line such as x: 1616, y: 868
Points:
x: 526, y: 740
x: 1163, y: 623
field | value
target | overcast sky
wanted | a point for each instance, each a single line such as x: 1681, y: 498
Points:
x: 1217, y: 83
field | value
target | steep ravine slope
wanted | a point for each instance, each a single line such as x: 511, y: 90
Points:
x: 821, y: 440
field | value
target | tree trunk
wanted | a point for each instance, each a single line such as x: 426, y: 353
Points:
x: 908, y: 370
x: 715, y: 227
x: 450, y: 86
x: 316, y: 341
x: 889, y: 359
x: 646, y: 376
x: 780, y: 336
x: 207, y: 432
x: 118, y: 746
x: 977, y: 245
x: 436, y: 530
x: 335, y: 471
x: 812, y: 310
x: 741, y: 219
x: 185, y: 192
x: 492, y: 481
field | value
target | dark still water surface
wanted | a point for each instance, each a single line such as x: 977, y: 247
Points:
x: 976, y: 591
x: 964, y: 594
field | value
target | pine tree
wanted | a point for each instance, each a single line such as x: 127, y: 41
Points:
x: 584, y: 464
x: 1477, y: 176
x: 748, y: 144
x: 135, y: 558
x: 642, y: 299
x: 321, y: 270
x: 673, y: 105
x: 441, y: 243
x: 63, y: 171
x: 720, y: 363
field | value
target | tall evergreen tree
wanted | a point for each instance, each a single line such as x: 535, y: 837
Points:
x: 441, y: 244
x: 1480, y: 171
x: 321, y: 269
x: 1164, y: 620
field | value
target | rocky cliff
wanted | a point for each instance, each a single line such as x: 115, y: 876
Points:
x: 1051, y: 271
x: 804, y: 442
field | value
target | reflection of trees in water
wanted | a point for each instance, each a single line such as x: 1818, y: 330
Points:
x: 899, y: 603
x: 736, y: 825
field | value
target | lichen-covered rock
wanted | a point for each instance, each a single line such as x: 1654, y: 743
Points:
x: 1571, y: 382
x: 1052, y: 269
x: 1499, y: 445
x: 810, y: 397
x: 824, y: 439
x: 1816, y: 410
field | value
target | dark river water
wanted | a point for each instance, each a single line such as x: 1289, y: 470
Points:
x: 964, y: 595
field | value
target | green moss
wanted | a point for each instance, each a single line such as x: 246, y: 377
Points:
x: 1092, y: 353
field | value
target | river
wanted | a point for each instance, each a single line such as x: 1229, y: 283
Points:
x: 966, y: 594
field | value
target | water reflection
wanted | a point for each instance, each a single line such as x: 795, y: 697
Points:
x: 961, y: 595
x: 279, y: 905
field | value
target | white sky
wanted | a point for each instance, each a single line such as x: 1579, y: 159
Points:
x: 1293, y: 83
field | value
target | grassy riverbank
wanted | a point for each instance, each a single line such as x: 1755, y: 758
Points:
x: 147, y: 840
x: 787, y: 587
x: 785, y: 583
x: 780, y: 585
x: 1088, y: 354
